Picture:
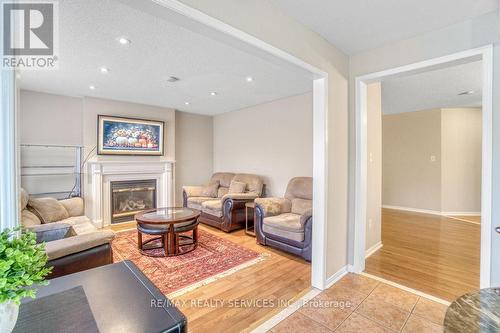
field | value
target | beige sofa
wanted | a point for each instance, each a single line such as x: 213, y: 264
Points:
x: 73, y: 243
x: 222, y: 201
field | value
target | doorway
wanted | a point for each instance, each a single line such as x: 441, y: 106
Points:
x: 484, y: 55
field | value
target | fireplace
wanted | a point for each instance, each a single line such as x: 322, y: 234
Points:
x: 130, y: 197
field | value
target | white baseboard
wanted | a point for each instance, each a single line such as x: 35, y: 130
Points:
x: 461, y: 213
x: 373, y: 249
x: 411, y: 209
x: 335, y: 277
x: 433, y: 212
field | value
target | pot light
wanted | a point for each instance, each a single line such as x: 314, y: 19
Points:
x: 186, y: 103
x: 92, y: 87
x: 124, y: 41
x: 213, y: 93
x: 249, y: 79
x: 470, y: 92
x: 104, y: 70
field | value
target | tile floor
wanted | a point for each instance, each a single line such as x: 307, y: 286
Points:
x: 359, y: 304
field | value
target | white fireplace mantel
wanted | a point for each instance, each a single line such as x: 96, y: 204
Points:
x: 102, y: 173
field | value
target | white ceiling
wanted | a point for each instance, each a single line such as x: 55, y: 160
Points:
x: 357, y: 25
x: 434, y: 89
x: 160, y: 48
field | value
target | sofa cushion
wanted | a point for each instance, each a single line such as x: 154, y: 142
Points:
x: 74, y: 206
x: 23, y: 198
x: 48, y: 209
x: 300, y: 206
x: 210, y: 190
x: 28, y: 219
x: 81, y: 224
x: 195, y: 202
x: 224, y: 178
x: 254, y: 182
x: 222, y: 191
x: 212, y: 207
x: 66, y: 246
x: 300, y: 187
x: 237, y: 187
x: 285, y: 225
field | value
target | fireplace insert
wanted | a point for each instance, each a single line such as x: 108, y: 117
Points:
x: 130, y: 197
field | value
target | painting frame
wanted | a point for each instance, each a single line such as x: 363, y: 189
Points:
x: 141, y: 137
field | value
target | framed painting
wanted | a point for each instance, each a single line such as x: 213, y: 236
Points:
x: 129, y: 136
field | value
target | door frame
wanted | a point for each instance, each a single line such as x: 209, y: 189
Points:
x: 485, y: 54
x: 319, y: 278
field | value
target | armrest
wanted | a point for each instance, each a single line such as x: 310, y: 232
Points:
x: 193, y: 191
x: 305, y: 217
x: 74, y: 206
x: 274, y: 206
x: 63, y: 247
x: 240, y: 196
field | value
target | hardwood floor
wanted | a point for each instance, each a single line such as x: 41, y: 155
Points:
x: 433, y: 254
x: 245, y: 299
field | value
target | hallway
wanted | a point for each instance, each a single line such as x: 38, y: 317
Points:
x: 433, y: 254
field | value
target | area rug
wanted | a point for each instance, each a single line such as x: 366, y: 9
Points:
x: 213, y: 259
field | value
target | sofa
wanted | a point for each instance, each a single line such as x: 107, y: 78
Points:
x: 222, y: 201
x: 72, y: 242
x: 286, y: 223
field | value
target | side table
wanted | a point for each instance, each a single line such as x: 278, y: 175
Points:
x: 249, y: 229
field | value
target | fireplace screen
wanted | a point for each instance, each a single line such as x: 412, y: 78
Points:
x: 130, y: 197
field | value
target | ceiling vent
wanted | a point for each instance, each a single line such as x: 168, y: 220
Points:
x: 173, y: 79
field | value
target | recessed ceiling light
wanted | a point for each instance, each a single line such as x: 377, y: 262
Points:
x: 213, y: 93
x: 249, y: 79
x: 187, y: 103
x: 470, y: 92
x: 124, y: 41
x: 104, y: 70
x: 92, y: 87
x: 173, y: 79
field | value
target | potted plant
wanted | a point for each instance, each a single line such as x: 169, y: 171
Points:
x: 22, y: 264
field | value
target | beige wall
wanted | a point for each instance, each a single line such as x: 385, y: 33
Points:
x: 449, y: 183
x: 410, y: 177
x: 194, y: 151
x: 374, y: 167
x: 273, y: 140
x: 461, y: 160
x: 50, y: 119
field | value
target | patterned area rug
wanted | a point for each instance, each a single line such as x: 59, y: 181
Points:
x: 213, y: 259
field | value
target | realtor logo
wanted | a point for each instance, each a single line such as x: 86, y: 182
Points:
x: 30, y: 34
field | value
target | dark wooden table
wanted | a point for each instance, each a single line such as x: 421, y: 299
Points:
x: 121, y: 299
x: 169, y: 224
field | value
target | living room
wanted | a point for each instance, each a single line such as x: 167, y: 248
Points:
x: 210, y: 120
x: 201, y: 120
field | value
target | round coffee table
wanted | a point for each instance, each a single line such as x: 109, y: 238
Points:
x: 169, y: 225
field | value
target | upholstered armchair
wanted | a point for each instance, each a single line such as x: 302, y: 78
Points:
x: 222, y: 201
x: 286, y: 223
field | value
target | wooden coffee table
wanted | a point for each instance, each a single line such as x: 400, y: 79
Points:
x: 169, y: 225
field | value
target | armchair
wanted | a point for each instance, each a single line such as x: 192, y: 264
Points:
x: 224, y: 208
x: 286, y: 223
